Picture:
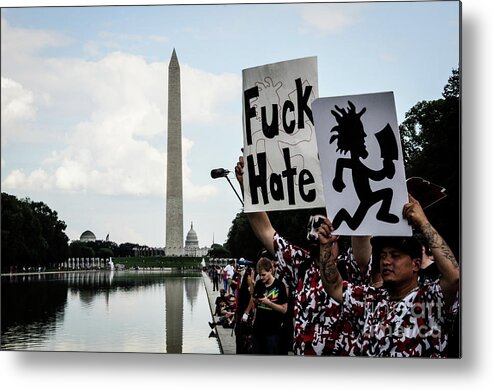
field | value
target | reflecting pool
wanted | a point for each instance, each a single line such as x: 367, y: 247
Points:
x: 106, y: 311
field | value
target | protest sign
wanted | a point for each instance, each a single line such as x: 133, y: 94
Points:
x: 362, y: 164
x: 282, y: 170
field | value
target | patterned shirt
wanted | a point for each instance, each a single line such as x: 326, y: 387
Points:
x: 317, y: 328
x: 417, y: 325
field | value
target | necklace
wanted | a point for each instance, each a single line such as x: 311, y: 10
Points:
x: 391, y: 306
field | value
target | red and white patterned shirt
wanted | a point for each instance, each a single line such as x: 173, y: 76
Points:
x: 417, y: 325
x: 317, y: 329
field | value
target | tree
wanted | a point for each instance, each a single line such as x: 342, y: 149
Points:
x: 32, y: 234
x: 54, y: 238
x: 218, y: 251
x: 242, y: 242
x: 87, y: 252
x: 126, y: 249
x: 431, y: 142
x: 105, y: 253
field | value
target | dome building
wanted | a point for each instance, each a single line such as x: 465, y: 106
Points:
x: 87, y: 236
x: 192, y: 244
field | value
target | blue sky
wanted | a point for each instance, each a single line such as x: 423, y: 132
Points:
x: 84, y: 94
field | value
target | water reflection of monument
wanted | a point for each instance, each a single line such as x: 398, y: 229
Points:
x: 174, y: 315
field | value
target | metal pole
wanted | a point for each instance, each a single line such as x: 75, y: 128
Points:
x: 231, y: 184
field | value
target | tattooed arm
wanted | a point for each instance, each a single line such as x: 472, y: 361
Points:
x: 329, y: 250
x: 442, y: 254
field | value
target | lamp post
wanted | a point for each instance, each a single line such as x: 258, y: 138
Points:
x: 221, y: 172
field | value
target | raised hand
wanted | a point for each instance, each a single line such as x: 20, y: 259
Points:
x: 414, y: 213
x: 239, y: 170
x: 325, y: 236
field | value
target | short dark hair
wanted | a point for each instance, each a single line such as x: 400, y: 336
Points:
x: 409, y: 245
x: 264, y: 264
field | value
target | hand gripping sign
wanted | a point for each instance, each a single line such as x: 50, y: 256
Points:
x: 362, y: 165
x: 282, y: 170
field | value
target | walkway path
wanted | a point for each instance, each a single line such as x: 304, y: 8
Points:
x: 226, y: 337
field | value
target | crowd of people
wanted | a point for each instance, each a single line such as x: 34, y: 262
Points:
x: 228, y: 277
x: 383, y: 296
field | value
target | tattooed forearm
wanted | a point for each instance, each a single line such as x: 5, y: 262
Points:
x: 436, y: 242
x: 330, y: 273
x: 331, y: 279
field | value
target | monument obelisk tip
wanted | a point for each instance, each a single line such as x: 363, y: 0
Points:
x: 174, y: 58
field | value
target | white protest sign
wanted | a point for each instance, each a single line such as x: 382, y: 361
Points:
x: 282, y: 170
x: 362, y: 164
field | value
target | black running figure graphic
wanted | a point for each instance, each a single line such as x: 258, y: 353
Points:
x: 350, y: 136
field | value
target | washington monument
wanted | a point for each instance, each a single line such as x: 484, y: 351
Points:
x: 174, y: 183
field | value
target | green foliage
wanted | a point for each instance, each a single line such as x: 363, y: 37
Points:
x: 452, y: 89
x: 242, y: 242
x: 105, y: 253
x: 98, y: 248
x: 431, y: 142
x: 32, y: 234
x: 159, y: 262
x: 126, y: 249
x: 219, y: 251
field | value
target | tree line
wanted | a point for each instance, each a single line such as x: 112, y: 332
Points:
x: 33, y: 236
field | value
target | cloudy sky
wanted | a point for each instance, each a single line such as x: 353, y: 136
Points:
x: 84, y: 96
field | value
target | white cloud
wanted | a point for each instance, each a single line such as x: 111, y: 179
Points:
x: 191, y: 191
x: 329, y: 18
x: 17, y: 109
x: 108, y: 40
x: 108, y: 118
x: 21, y: 43
x: 203, y: 94
x: 158, y: 38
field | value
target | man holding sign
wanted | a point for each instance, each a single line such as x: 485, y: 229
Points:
x: 403, y: 318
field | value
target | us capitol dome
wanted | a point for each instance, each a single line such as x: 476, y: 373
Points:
x: 192, y: 244
x: 87, y: 236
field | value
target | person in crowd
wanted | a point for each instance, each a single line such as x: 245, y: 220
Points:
x: 229, y: 269
x: 220, y: 303
x: 316, y: 324
x: 271, y: 304
x: 429, y: 273
x: 235, y: 280
x: 429, y: 270
x: 215, y: 278
x: 224, y: 276
x: 244, y: 317
x: 403, y: 317
x: 288, y: 323
x: 227, y: 314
